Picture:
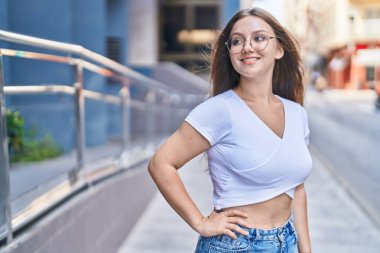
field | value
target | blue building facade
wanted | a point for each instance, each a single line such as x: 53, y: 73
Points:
x: 102, y: 26
x: 86, y: 22
x: 229, y: 8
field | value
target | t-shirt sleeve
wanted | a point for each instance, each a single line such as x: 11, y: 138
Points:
x: 211, y: 119
x: 305, y: 121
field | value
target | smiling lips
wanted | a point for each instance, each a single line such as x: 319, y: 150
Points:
x: 250, y: 60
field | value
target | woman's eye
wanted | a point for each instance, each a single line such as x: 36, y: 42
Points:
x: 259, y: 38
x: 236, y: 42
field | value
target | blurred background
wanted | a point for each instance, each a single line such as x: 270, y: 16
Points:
x: 90, y: 88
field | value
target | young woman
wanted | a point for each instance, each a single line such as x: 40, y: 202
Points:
x: 255, y: 132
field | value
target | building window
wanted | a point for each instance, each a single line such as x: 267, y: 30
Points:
x: 113, y: 48
x: 187, y: 29
x: 173, y: 21
x: 113, y: 52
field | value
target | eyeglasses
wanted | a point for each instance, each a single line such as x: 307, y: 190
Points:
x: 236, y: 43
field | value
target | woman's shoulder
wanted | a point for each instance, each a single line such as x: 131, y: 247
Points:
x: 214, y: 108
x: 292, y: 104
x: 222, y: 96
x: 211, y: 118
x: 219, y: 100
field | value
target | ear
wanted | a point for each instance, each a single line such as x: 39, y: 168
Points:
x: 279, y: 52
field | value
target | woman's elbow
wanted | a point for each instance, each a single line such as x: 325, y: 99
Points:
x: 156, y: 166
x: 152, y: 166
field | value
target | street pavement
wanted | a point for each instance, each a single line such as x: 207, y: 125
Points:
x: 345, y: 126
x: 32, y: 181
x: 337, y: 222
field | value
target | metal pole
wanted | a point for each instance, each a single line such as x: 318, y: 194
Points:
x: 86, y: 54
x: 126, y: 118
x: 4, y: 161
x: 150, y: 120
x: 79, y: 120
x: 167, y: 115
x: 174, y: 101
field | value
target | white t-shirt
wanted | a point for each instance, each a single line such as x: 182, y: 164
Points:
x: 248, y: 162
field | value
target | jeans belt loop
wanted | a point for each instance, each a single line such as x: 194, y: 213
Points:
x: 280, y: 236
x: 257, y: 234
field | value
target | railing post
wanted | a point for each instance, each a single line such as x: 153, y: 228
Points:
x: 79, y: 119
x: 174, y: 101
x: 167, y: 114
x: 126, y: 118
x: 150, y: 119
x: 5, y: 204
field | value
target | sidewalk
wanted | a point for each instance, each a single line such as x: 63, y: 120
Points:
x: 160, y: 229
x: 336, y: 222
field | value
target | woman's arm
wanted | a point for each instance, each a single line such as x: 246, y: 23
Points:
x: 300, y: 219
x: 185, y: 144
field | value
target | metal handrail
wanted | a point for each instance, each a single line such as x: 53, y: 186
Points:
x: 64, y: 89
x: 33, y: 89
x: 69, y: 90
x: 100, y: 65
x: 85, y: 53
x: 61, y: 59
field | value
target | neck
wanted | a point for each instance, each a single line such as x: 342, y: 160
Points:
x: 251, y: 89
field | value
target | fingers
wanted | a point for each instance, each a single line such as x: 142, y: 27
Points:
x: 236, y: 220
x: 235, y: 212
x: 227, y: 222
x: 229, y: 233
x: 237, y: 229
x: 233, y: 217
x: 233, y: 222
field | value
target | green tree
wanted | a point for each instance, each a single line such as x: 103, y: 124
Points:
x: 23, y: 145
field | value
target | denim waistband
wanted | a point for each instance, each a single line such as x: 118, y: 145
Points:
x: 272, y: 233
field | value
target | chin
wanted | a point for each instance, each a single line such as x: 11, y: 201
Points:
x: 248, y: 75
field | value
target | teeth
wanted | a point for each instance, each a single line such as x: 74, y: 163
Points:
x: 250, y: 59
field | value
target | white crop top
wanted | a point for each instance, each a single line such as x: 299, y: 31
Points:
x: 248, y: 162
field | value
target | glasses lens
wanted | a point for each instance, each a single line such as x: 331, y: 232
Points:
x: 259, y: 42
x: 235, y: 44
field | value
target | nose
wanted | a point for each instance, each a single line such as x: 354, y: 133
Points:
x: 246, y: 49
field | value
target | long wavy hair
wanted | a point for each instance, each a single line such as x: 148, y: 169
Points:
x: 287, y: 79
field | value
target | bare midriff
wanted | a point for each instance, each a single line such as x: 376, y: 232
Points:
x: 268, y: 214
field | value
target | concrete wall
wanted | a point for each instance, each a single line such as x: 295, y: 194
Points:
x: 95, y: 221
x: 143, y: 45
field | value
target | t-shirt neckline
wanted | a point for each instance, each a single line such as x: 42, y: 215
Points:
x: 261, y: 121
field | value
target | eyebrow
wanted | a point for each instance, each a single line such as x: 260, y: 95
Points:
x: 238, y: 33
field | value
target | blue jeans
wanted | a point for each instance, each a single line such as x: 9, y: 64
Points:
x: 281, y: 239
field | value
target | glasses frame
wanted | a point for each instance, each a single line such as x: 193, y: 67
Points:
x: 250, y: 42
